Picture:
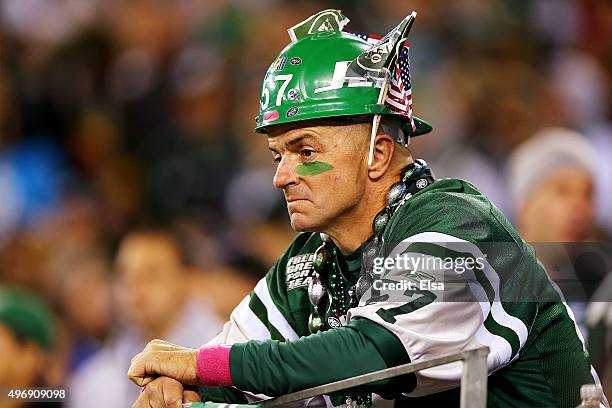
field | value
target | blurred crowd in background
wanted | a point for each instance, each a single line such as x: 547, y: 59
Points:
x: 136, y: 202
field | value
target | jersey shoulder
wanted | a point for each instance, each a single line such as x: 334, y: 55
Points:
x: 452, y: 207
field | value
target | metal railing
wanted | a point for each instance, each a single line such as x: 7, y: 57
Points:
x: 473, y: 381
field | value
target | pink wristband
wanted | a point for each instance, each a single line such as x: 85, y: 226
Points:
x: 214, y: 366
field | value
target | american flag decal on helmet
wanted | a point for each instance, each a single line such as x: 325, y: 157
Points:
x: 371, y: 39
x: 399, y: 96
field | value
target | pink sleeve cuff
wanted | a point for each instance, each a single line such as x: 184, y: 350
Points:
x: 214, y: 366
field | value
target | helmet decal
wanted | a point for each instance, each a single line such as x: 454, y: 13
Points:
x: 326, y: 20
x: 340, y: 79
x: 292, y: 111
x: 279, y: 64
x: 293, y: 95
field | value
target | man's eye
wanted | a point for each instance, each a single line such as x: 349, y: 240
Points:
x: 277, y: 158
x: 307, y: 153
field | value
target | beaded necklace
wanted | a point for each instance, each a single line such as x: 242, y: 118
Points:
x: 327, y: 292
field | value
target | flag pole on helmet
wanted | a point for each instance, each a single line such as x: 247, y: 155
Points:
x: 376, y: 119
x: 387, y: 61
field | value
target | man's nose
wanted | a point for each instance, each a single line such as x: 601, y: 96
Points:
x: 286, y: 174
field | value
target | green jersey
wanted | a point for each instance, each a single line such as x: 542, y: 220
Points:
x: 455, y: 275
x: 599, y: 322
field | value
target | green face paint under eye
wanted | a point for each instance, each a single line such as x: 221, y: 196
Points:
x: 313, y: 168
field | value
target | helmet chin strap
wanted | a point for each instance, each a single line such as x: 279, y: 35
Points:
x: 391, y: 128
x: 375, y: 124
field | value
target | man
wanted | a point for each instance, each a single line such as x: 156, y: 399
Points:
x: 152, y: 292
x: 322, y: 313
x: 551, y: 178
x: 27, y: 337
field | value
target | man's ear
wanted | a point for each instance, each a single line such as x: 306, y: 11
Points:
x: 384, y: 147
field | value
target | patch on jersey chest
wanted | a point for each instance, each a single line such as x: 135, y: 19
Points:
x: 299, y: 271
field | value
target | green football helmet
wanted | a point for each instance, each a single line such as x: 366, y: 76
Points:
x: 308, y: 81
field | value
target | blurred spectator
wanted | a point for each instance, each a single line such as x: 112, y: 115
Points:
x: 152, y: 287
x: 105, y: 169
x: 24, y: 262
x: 27, y: 337
x: 217, y: 275
x: 258, y: 216
x: 83, y: 294
x: 551, y: 180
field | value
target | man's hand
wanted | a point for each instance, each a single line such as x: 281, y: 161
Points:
x: 164, y: 392
x: 160, y: 358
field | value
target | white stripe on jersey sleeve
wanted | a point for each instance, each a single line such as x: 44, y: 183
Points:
x: 243, y: 325
x: 249, y: 322
x: 497, y: 311
x: 498, y: 345
x: 275, y: 317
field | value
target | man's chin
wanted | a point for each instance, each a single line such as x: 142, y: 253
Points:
x: 302, y: 223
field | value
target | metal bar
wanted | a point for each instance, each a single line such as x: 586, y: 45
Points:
x: 474, y: 379
x: 471, y: 355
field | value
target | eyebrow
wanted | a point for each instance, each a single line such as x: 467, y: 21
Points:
x: 293, y: 142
